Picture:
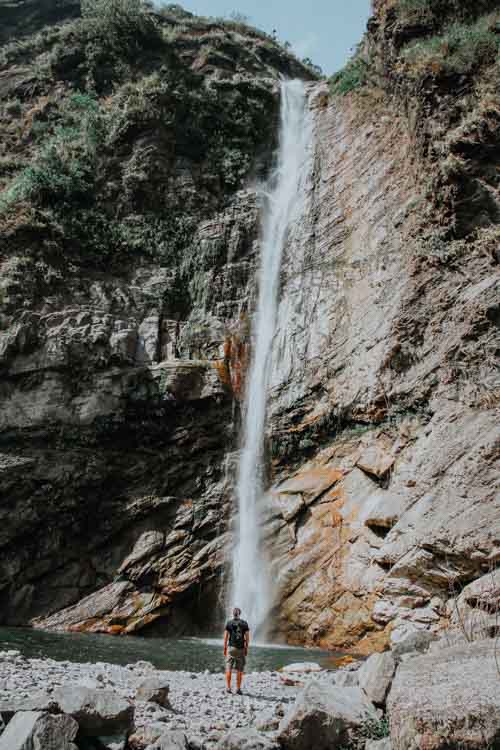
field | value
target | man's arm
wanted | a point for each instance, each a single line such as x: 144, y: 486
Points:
x: 247, y: 641
x: 226, y: 636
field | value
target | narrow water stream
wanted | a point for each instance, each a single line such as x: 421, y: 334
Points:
x: 252, y: 589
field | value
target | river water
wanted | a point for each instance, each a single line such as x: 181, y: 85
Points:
x: 189, y: 654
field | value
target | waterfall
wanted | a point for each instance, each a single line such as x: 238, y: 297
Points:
x: 252, y: 589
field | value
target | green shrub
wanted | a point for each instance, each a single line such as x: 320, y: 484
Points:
x: 354, y: 76
x: 123, y: 24
x: 116, y: 34
x: 461, y: 49
x: 63, y: 172
x: 438, y: 12
x: 416, y: 10
x: 371, y: 729
x: 310, y: 65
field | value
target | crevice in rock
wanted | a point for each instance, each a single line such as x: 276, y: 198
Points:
x: 387, y: 566
x: 378, y: 529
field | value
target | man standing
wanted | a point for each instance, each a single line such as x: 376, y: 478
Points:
x: 236, y: 640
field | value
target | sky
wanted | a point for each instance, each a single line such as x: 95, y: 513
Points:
x: 324, y: 30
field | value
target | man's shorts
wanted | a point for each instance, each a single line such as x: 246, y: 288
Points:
x: 235, y: 659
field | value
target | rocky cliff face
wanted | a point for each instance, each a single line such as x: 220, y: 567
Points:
x: 128, y: 244
x: 384, y: 361
x: 124, y: 353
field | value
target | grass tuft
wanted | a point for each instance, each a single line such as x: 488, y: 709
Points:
x: 351, y: 78
x: 460, y: 49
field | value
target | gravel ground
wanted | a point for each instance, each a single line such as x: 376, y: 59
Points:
x: 200, y: 705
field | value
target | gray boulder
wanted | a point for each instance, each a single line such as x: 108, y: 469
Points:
x: 246, y: 739
x: 418, y: 641
x: 170, y: 741
x: 375, y: 676
x: 98, y: 712
x: 324, y: 718
x: 154, y: 690
x: 34, y: 730
x: 447, y: 699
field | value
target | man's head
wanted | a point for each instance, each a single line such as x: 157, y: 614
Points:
x: 236, y: 612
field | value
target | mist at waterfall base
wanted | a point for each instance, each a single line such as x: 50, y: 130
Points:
x: 252, y: 588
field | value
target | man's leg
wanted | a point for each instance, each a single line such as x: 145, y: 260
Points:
x: 239, y: 680
x: 229, y: 675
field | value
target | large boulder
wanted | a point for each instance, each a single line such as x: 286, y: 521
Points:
x: 324, y: 718
x: 375, y: 676
x: 98, y: 712
x: 417, y: 641
x: 154, y: 690
x: 246, y: 739
x: 35, y: 730
x: 474, y: 614
x: 450, y: 698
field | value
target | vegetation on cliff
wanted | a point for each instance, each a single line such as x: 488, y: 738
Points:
x: 439, y: 64
x: 100, y: 113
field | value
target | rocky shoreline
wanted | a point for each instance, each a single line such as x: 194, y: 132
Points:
x: 423, y: 691
x: 197, y: 703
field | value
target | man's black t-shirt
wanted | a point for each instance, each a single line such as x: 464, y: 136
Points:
x: 237, y: 629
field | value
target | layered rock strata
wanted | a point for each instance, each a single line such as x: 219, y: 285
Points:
x: 120, y: 405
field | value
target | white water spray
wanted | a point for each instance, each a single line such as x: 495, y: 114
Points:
x: 252, y: 589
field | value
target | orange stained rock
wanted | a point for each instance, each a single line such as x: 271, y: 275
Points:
x: 223, y: 371
x: 232, y: 368
x: 115, y: 629
x: 343, y: 661
x: 312, y: 482
x: 83, y: 627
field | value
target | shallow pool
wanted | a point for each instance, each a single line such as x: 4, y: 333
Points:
x: 191, y: 654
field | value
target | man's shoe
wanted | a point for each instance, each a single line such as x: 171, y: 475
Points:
x: 238, y: 692
x: 228, y: 690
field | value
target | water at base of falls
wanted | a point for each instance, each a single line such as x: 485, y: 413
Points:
x: 252, y: 589
x: 189, y: 654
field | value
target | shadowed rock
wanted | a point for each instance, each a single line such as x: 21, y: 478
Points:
x: 98, y: 712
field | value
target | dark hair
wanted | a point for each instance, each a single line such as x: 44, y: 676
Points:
x: 236, y: 612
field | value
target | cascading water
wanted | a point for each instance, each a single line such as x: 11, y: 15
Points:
x: 252, y: 589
